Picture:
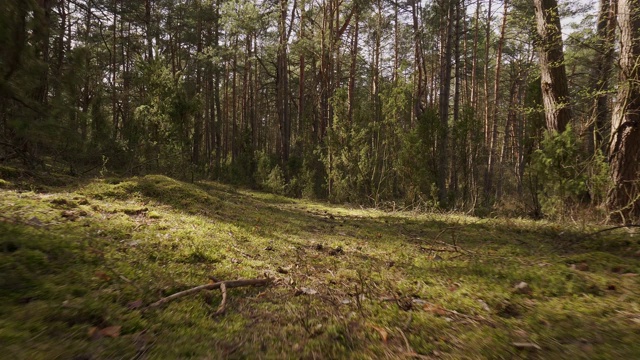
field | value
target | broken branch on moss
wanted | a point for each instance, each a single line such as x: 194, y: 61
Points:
x: 222, y: 285
x: 614, y: 228
x: 223, y: 303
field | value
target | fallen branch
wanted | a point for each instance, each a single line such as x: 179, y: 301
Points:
x: 474, y: 318
x: 406, y: 342
x: 614, y: 228
x: 478, y: 318
x: 526, y: 346
x: 217, y: 285
x: 223, y: 303
x: 432, y: 249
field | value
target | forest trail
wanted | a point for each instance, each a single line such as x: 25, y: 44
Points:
x: 79, y: 265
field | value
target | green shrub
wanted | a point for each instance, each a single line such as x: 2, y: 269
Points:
x: 563, y: 177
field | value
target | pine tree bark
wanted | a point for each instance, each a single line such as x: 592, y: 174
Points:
x: 553, y: 75
x: 282, y: 91
x: 352, y: 68
x: 460, y: 12
x: 624, y: 152
x: 445, y: 90
x: 148, y: 33
x: 487, y: 106
x: 418, y: 67
x: 199, y: 114
x: 301, y: 80
x: 492, y: 111
x: 605, y: 32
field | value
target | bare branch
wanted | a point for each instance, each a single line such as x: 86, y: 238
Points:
x: 227, y: 285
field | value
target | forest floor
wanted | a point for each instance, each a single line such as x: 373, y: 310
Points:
x: 80, y: 264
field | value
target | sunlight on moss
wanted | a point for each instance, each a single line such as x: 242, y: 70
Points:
x: 76, y: 259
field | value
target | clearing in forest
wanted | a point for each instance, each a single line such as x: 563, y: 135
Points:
x: 80, y: 266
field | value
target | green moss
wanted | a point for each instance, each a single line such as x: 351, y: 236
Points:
x: 94, y: 254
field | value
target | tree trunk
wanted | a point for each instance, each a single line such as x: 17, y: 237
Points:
x: 148, y: 33
x: 553, y: 76
x: 114, y: 71
x: 487, y: 109
x: 492, y: 115
x: 605, y: 33
x: 198, y: 118
x: 42, y: 33
x: 282, y: 90
x: 352, y: 68
x: 474, y: 60
x: 418, y: 67
x: 460, y: 12
x: 234, y: 105
x: 624, y: 152
x: 443, y: 100
x: 301, y: 102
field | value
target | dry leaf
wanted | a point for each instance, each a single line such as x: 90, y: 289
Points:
x: 522, y: 288
x: 102, y: 275
x: 419, y: 301
x: 384, y: 335
x: 521, y: 335
x: 432, y: 308
x: 111, y: 331
x: 308, y: 291
x: 484, y: 305
x: 580, y: 266
x: 93, y: 333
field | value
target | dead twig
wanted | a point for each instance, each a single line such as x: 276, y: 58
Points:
x: 410, y: 353
x: 526, y: 346
x: 406, y: 341
x: 216, y: 285
x: 480, y: 319
x: 473, y: 318
x: 614, y: 228
x: 223, y: 303
x: 432, y: 249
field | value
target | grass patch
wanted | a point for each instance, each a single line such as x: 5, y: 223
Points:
x: 348, y: 283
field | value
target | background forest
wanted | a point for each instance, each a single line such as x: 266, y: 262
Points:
x: 416, y: 104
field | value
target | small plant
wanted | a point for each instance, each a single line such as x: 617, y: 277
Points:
x: 275, y: 181
x: 103, y: 169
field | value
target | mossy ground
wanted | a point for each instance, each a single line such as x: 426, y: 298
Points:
x: 348, y: 282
